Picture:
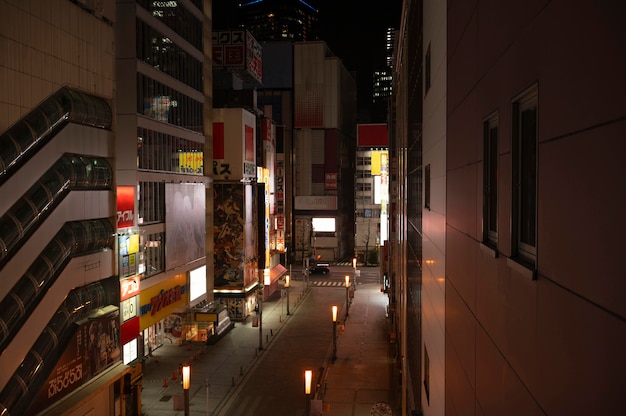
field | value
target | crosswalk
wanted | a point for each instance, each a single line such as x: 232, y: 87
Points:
x: 327, y: 283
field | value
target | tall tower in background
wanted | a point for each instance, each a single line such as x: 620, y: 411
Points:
x: 382, y: 82
x: 273, y: 20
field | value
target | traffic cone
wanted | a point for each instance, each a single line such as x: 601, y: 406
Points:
x: 188, y: 347
x: 195, y: 356
x: 173, y: 375
x: 165, y: 382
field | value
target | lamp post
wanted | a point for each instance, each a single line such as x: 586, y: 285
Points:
x: 347, y: 295
x: 186, y: 381
x: 260, y: 305
x: 287, y: 290
x: 354, y: 271
x: 308, y: 376
x: 334, y: 309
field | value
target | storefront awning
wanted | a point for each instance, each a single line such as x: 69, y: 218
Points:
x: 277, y: 271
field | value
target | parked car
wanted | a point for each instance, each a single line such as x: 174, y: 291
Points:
x: 319, y: 268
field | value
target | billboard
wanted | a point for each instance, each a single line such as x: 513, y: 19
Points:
x: 234, y: 144
x: 240, y: 52
x: 372, y: 135
x: 125, y: 206
x: 185, y: 216
x: 94, y: 347
x: 228, y: 231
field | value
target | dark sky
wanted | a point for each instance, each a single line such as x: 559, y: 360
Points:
x: 355, y: 32
x: 353, y: 29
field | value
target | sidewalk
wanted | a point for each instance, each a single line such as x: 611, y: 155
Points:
x: 361, y: 375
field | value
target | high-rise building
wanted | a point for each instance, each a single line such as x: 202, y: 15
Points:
x: 382, y: 81
x: 163, y: 105
x: 106, y: 200
x: 280, y: 20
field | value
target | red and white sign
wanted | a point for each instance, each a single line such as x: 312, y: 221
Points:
x: 125, y: 206
x: 129, y: 287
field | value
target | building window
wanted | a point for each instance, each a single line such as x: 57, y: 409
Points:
x: 427, y: 71
x: 363, y: 160
x: 525, y: 176
x: 427, y: 187
x: 490, y: 181
x: 426, y: 375
x: 151, y: 207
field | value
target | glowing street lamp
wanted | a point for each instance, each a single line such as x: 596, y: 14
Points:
x: 347, y: 295
x: 354, y: 271
x: 308, y: 376
x: 186, y: 382
x: 287, y: 290
x: 334, y: 309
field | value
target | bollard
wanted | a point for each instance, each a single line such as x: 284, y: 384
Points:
x: 271, y: 332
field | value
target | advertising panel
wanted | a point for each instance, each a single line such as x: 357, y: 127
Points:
x: 234, y: 144
x: 190, y: 162
x: 185, y: 216
x: 94, y: 347
x: 158, y: 302
x: 280, y: 202
x: 125, y: 206
x: 372, y: 135
x: 240, y: 52
x: 228, y: 234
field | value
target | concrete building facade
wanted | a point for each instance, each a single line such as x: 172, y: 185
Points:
x: 519, y: 184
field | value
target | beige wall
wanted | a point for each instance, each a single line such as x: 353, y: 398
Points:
x: 434, y: 219
x: 45, y: 44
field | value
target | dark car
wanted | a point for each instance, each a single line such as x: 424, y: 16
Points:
x: 319, y: 268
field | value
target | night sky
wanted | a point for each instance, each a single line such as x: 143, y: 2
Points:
x: 353, y: 29
x: 355, y: 32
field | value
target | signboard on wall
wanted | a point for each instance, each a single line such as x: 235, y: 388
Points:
x: 125, y: 206
x: 235, y: 127
x: 240, y: 52
x: 228, y: 225
x: 372, y: 135
x: 94, y: 347
x: 186, y: 214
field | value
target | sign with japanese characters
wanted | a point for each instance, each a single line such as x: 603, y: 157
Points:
x: 234, y: 144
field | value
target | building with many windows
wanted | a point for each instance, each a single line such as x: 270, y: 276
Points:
x: 104, y: 115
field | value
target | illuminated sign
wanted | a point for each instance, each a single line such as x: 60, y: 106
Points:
x: 129, y: 288
x: 125, y: 206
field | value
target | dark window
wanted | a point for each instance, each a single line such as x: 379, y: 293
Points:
x: 427, y: 187
x: 525, y: 175
x: 490, y: 181
x: 426, y: 375
x: 427, y: 71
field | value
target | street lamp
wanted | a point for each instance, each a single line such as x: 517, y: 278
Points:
x: 308, y: 376
x: 347, y: 295
x: 186, y: 381
x: 334, y: 332
x: 354, y: 271
x: 287, y: 290
x: 260, y: 314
